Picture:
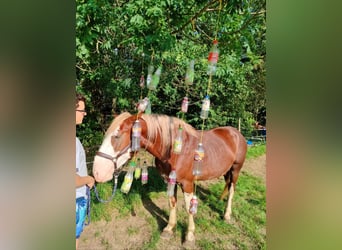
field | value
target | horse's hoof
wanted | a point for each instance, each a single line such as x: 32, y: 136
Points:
x: 189, y: 244
x: 228, y: 220
x: 166, y: 234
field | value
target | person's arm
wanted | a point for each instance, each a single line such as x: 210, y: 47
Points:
x: 85, y: 180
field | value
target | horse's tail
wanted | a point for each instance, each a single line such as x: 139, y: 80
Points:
x: 242, y: 149
x: 227, y: 178
x: 232, y: 175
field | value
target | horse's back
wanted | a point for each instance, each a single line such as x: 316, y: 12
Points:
x: 228, y: 133
x: 234, y: 139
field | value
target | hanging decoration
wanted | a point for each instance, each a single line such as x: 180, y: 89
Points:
x: 144, y: 173
x: 144, y: 105
x: 199, y: 152
x: 190, y: 73
x: 213, y: 58
x: 136, y: 135
x: 198, y: 159
x: 171, y: 183
x: 177, y: 146
x: 137, y: 171
x: 149, y: 76
x: 126, y: 185
x: 193, y: 205
x: 155, y: 79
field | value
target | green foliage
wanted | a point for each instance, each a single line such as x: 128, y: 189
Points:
x: 116, y: 41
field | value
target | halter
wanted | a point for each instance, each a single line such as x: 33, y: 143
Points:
x: 112, y: 158
x: 115, y: 173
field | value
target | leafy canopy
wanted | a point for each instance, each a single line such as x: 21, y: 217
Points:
x: 117, y: 40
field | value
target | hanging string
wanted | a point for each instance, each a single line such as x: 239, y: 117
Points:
x: 218, y: 19
x: 210, y: 73
x: 216, y: 32
x: 208, y: 87
x: 142, y: 73
x: 151, y: 63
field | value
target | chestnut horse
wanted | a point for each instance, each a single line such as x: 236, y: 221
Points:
x: 225, y: 151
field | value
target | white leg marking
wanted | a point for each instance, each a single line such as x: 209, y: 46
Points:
x: 190, y: 236
x: 173, y: 216
x: 228, y: 213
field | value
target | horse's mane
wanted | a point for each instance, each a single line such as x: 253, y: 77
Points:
x: 161, y: 124
x: 167, y: 127
x: 116, y: 122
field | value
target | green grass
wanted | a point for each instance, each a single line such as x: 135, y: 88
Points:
x: 249, y: 214
x: 248, y: 230
x: 256, y: 151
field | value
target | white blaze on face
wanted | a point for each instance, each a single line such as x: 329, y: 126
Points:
x: 122, y: 159
x: 103, y: 168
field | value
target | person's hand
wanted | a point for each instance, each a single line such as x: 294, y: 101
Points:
x: 91, y: 182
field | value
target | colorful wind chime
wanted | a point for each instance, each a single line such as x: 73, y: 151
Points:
x: 199, y: 152
x: 152, y: 81
x: 144, y: 105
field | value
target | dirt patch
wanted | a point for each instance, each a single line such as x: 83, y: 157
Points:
x: 133, y: 232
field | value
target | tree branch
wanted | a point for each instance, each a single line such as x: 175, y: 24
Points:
x: 244, y: 25
x: 194, y: 17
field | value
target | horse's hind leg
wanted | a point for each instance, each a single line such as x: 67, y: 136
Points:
x: 230, y: 185
x: 227, y: 178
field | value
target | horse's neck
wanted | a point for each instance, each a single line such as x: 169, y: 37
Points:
x: 153, y: 150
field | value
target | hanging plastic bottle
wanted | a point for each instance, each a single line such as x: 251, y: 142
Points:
x: 142, y: 81
x: 190, y: 73
x: 137, y: 171
x: 171, y: 183
x: 148, y: 108
x: 193, y: 205
x: 177, y: 146
x: 155, y: 79
x: 205, y: 107
x: 127, y: 183
x: 185, y: 104
x: 136, y: 134
x: 198, y: 160
x: 149, y: 76
x: 144, y: 174
x: 143, y: 104
x: 213, y: 58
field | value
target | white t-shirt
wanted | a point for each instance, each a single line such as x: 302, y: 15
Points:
x: 81, y: 167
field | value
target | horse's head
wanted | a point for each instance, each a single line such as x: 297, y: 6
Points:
x: 115, y: 150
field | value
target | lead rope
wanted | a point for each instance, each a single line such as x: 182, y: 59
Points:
x: 115, y: 180
x: 88, y: 206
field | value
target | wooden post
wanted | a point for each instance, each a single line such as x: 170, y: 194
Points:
x: 240, y: 124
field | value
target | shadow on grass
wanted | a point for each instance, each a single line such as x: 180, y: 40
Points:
x: 155, y: 184
x: 212, y: 200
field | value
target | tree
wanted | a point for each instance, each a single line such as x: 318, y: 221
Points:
x: 117, y: 40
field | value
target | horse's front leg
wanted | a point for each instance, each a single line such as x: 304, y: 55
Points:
x: 190, y: 234
x: 168, y: 230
